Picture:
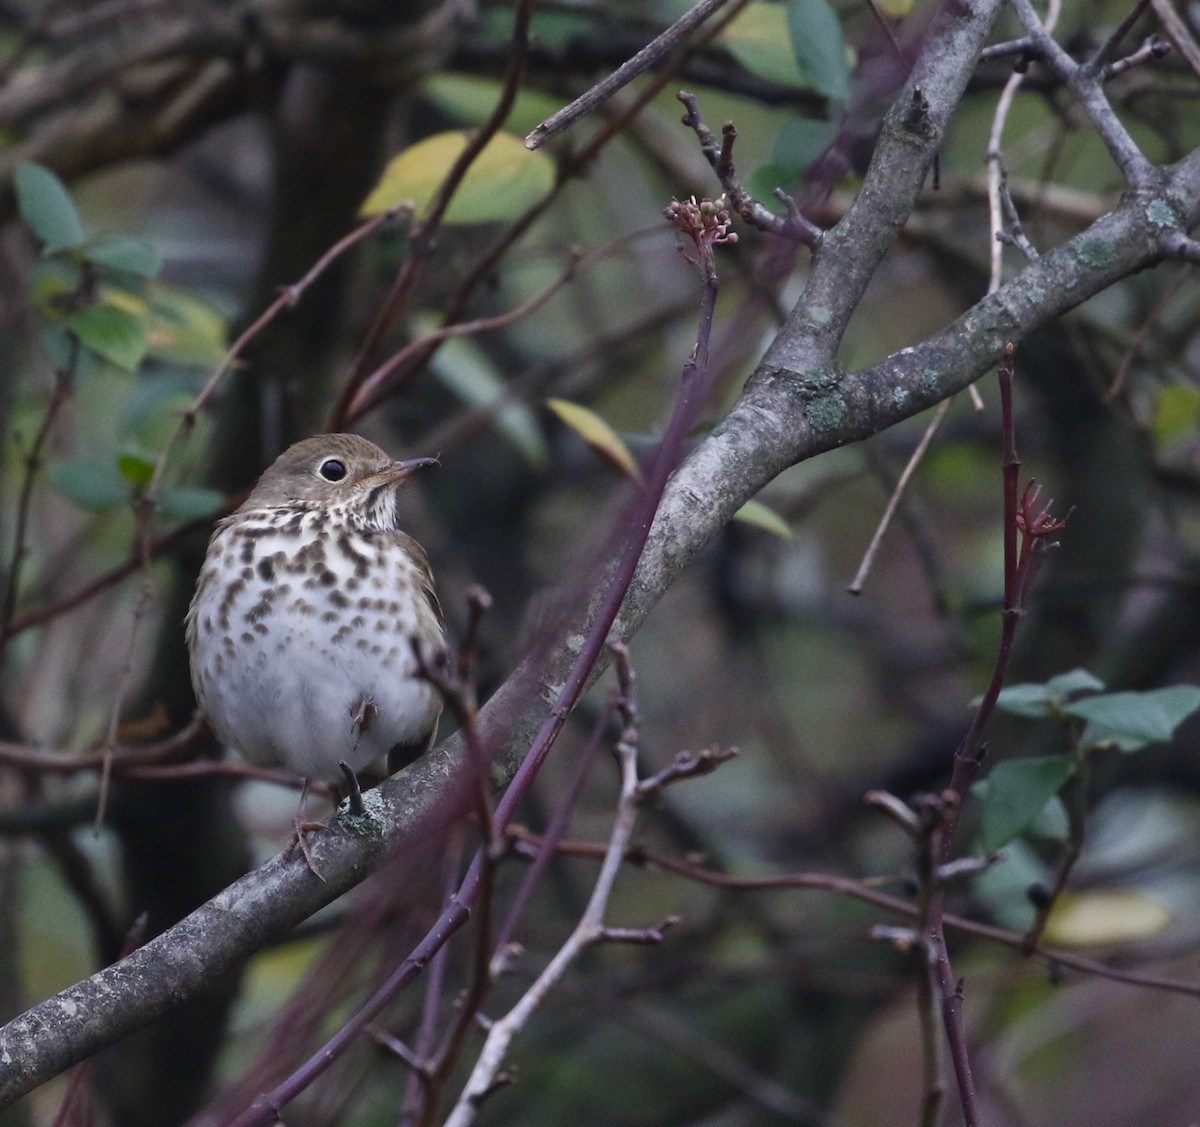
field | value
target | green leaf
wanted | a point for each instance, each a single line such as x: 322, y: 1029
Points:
x: 761, y: 516
x: 469, y: 99
x: 1016, y: 793
x: 1031, y: 700
x: 180, y: 329
x: 54, y: 287
x: 1074, y: 683
x: 1053, y: 823
x: 469, y: 373
x: 799, y: 143
x: 503, y: 181
x: 46, y: 205
x: 123, y: 255
x: 90, y: 483
x: 184, y: 503
x: 1176, y: 414
x: 155, y: 404
x: 1039, y: 700
x: 1132, y: 721
x: 135, y: 468
x: 758, y: 39
x: 819, y: 47
x: 112, y: 333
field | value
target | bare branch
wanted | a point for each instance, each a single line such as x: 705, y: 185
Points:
x: 647, y: 57
x: 791, y: 226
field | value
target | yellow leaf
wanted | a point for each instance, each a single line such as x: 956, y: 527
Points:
x: 759, y: 515
x: 1089, y: 919
x: 122, y: 299
x: 897, y: 9
x: 597, y: 434
x: 1176, y: 413
x: 181, y: 329
x: 502, y: 182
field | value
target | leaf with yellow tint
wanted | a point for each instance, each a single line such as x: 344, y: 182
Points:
x: 896, y: 9
x: 503, y: 181
x: 1092, y: 919
x: 759, y: 515
x: 598, y: 435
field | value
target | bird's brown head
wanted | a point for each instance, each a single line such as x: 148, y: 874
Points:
x: 334, y: 471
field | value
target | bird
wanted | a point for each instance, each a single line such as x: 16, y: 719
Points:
x: 312, y: 616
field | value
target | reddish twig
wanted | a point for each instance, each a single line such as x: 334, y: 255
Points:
x: 67, y: 762
x: 158, y: 546
x: 1021, y: 563
x: 864, y: 892
x: 153, y: 547
x: 792, y: 226
x: 571, y: 167
x: 62, y: 390
x: 421, y: 1090
x: 691, y: 396
x: 423, y: 239
x: 555, y: 832
x: 375, y: 387
x: 589, y: 931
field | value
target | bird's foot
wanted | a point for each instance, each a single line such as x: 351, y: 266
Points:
x: 301, y: 828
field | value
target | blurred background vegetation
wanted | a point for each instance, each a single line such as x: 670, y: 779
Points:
x: 221, y: 150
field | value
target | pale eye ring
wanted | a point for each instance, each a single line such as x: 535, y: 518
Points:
x: 332, y: 469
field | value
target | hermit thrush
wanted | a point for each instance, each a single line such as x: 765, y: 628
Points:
x: 309, y: 615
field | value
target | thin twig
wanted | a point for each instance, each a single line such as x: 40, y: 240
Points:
x: 793, y: 226
x: 67, y: 762
x: 1108, y: 48
x: 423, y: 237
x: 556, y: 830
x: 928, y: 929
x: 865, y: 892
x: 1087, y: 84
x: 1176, y: 27
x: 421, y: 1091
x: 996, y: 176
x: 999, y: 204
x: 375, y: 386
x: 161, y: 544
x: 915, y: 459
x: 589, y: 931
x: 62, y: 389
x: 694, y: 383
x: 1073, y: 850
x: 288, y: 298
x: 571, y: 168
x: 1153, y: 49
x: 1148, y: 326
x: 659, y: 46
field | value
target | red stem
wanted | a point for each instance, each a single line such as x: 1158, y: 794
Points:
x: 968, y: 755
x: 424, y: 237
x: 693, y: 386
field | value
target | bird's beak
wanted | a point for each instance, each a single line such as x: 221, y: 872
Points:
x: 402, y: 471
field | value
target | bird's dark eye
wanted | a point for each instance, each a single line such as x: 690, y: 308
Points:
x: 332, y: 469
